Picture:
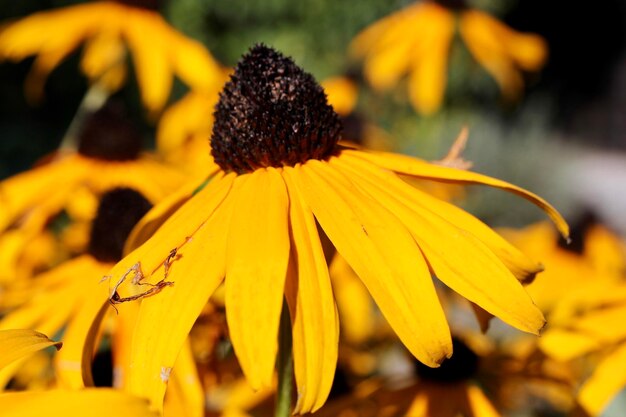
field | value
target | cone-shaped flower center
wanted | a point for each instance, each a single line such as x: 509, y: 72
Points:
x: 144, y: 4
x: 461, y: 366
x: 119, y: 211
x: 107, y: 135
x: 271, y: 113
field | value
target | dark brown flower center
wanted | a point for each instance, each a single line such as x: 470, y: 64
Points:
x: 271, y: 113
x: 119, y: 211
x: 107, y: 135
x: 143, y: 4
x: 461, y: 366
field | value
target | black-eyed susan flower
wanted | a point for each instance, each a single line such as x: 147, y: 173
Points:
x: 253, y: 226
x: 108, y: 156
x: 595, y: 258
x: 49, y: 301
x: 111, y: 29
x: 417, y: 41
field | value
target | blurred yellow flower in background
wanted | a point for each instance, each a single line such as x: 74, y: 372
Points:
x: 594, y: 258
x: 109, y: 30
x: 254, y: 224
x: 108, y: 156
x: 417, y: 41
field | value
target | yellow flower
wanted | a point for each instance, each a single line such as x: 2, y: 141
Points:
x: 109, y: 155
x: 255, y: 224
x: 109, y: 29
x: 417, y: 40
x: 594, y: 256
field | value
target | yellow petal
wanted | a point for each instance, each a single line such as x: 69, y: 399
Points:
x: 354, y: 303
x: 177, y: 230
x: 478, y: 405
x: 256, y: 268
x: 73, y: 364
x: 150, y: 56
x: 165, y: 319
x: 411, y: 166
x: 427, y: 82
x: 15, y: 344
x: 312, y: 306
x: 607, y: 380
x: 383, y: 254
x: 194, y: 64
x: 489, y: 49
x: 185, y: 396
x: 24, y: 190
x: 457, y: 257
x: 519, y: 264
x: 99, y: 402
x: 342, y: 94
x: 565, y: 345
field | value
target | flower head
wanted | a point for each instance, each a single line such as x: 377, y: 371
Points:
x: 110, y: 30
x: 417, y: 41
x: 253, y: 226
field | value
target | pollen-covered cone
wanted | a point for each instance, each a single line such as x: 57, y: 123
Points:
x: 110, y: 29
x: 417, y: 41
x: 253, y: 226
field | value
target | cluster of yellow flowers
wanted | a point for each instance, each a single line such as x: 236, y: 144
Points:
x: 259, y: 248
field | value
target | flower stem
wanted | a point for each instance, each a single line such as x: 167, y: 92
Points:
x: 284, y: 364
x: 94, y: 98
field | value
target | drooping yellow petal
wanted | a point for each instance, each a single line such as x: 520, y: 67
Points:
x: 411, y: 166
x: 73, y: 364
x: 607, y: 380
x: 313, y: 312
x: 50, y: 30
x: 457, y: 257
x: 518, y: 263
x: 165, y: 319
x: 185, y: 396
x: 256, y: 268
x: 16, y: 344
x: 194, y: 64
x: 152, y: 64
x: 177, y: 230
x: 383, y: 254
x: 489, y: 49
x: 427, y: 82
x: 99, y: 402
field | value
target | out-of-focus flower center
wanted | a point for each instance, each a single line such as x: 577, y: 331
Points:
x: 119, y: 211
x: 461, y: 366
x: 271, y: 113
x: 143, y: 4
x: 107, y: 135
